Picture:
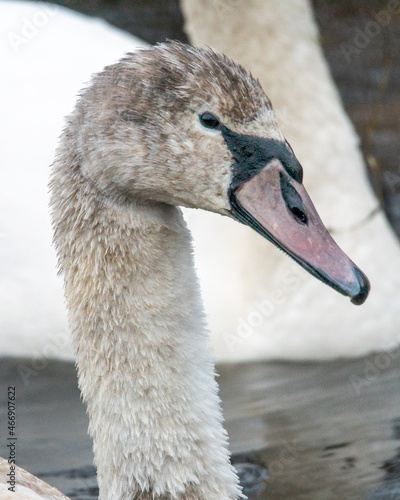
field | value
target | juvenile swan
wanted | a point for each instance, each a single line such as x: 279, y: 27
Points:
x: 167, y: 126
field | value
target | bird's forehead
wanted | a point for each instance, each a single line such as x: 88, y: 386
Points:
x: 204, y: 76
x: 197, y: 80
x: 231, y: 94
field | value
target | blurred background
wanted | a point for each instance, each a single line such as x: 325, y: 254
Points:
x: 368, y: 80
x: 298, y: 429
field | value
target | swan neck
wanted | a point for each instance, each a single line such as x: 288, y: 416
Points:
x: 144, y: 367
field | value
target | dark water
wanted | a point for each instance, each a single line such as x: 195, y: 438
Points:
x: 311, y: 431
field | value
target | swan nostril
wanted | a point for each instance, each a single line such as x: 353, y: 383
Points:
x: 292, y: 200
x: 299, y: 215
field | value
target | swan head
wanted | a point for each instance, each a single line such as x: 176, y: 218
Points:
x: 186, y: 126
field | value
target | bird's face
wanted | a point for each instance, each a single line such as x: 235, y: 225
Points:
x: 266, y: 192
x: 190, y: 127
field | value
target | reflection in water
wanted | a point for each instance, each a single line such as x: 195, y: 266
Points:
x: 325, y: 428
x: 252, y: 474
x: 319, y: 435
x: 389, y: 488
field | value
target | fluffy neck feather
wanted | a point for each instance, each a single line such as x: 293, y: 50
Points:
x: 145, y: 370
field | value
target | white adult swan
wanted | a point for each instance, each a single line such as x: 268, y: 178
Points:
x: 278, y: 42
x: 46, y: 67
x: 32, y: 311
x: 167, y: 126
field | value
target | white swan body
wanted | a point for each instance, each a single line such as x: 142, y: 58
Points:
x: 46, y: 67
x: 291, y: 315
x: 25, y: 486
x: 140, y: 141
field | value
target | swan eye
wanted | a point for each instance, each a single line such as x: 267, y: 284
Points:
x: 209, y: 121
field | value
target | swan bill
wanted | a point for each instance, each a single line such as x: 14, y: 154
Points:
x: 278, y: 207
